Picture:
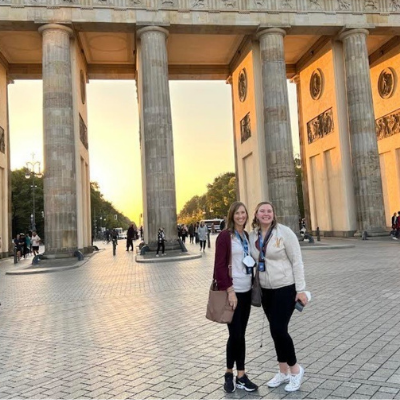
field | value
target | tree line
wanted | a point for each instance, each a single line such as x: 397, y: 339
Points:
x: 104, y: 215
x: 214, y: 203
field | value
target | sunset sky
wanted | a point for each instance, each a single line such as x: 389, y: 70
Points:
x: 202, y: 129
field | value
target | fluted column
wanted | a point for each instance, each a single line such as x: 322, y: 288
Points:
x: 364, y: 147
x: 60, y: 203
x: 278, y: 138
x: 157, y: 141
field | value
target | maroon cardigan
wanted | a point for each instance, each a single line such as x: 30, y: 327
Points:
x: 223, y: 250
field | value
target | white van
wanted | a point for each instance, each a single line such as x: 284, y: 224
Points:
x: 216, y: 223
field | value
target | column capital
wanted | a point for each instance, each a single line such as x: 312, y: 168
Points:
x: 271, y: 31
x: 151, y: 29
x: 295, y: 79
x: 343, y: 35
x: 56, y: 27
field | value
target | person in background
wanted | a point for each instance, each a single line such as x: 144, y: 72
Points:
x: 202, y: 233
x: 191, y: 233
x: 231, y: 275
x: 281, y: 271
x: 35, y: 240
x: 28, y: 243
x: 130, y: 235
x: 160, y: 242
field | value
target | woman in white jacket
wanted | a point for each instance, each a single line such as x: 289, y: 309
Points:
x: 276, y: 249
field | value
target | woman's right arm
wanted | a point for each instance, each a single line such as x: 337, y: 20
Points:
x: 221, y: 264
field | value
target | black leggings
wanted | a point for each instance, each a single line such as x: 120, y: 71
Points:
x: 202, y: 244
x: 278, y: 305
x: 236, y: 345
x: 161, y: 246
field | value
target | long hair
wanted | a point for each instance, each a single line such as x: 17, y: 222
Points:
x: 255, y: 224
x: 230, y: 225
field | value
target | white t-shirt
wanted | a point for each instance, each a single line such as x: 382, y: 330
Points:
x: 35, y: 240
x: 241, y: 280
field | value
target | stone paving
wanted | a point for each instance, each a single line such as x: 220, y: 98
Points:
x: 114, y: 328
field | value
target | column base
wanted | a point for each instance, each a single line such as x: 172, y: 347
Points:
x: 376, y: 232
x: 169, y: 245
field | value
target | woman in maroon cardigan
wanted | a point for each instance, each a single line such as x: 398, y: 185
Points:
x: 232, y: 246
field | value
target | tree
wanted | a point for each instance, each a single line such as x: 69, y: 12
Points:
x: 213, y: 204
x: 21, y: 206
x: 22, y: 202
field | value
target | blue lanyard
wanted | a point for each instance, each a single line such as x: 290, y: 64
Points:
x: 244, y: 243
x: 263, y: 244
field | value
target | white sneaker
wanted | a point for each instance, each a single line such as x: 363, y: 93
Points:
x: 157, y: 255
x: 394, y: 238
x: 278, y: 379
x: 295, y: 381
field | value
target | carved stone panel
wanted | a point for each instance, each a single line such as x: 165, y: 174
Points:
x: 320, y: 126
x: 388, y: 125
x: 2, y: 141
x: 245, y: 128
x: 83, y: 132
x: 316, y: 84
x: 242, y: 85
x: 387, y: 83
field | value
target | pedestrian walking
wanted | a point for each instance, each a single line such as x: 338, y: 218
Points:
x: 130, y: 235
x: 281, y: 272
x: 202, y: 233
x: 231, y: 275
x: 160, y: 242
x: 35, y: 241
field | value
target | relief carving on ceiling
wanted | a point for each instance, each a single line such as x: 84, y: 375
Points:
x: 370, y: 5
x: 344, y: 5
x: 198, y: 3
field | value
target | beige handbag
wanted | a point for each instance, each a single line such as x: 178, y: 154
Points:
x: 218, y: 308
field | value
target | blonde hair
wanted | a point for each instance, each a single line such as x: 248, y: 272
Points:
x: 255, y: 224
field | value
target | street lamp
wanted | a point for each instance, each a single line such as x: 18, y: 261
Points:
x: 33, y: 171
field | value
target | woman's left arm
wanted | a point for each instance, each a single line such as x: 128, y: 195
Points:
x: 293, y: 252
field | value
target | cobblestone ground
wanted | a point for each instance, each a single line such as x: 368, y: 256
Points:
x: 114, y: 328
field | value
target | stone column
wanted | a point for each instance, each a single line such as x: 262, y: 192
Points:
x: 60, y: 204
x: 278, y: 137
x: 157, y: 141
x: 364, y: 147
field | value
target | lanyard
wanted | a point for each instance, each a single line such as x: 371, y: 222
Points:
x: 244, y: 243
x: 263, y: 244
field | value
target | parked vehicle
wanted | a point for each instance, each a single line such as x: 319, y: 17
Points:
x: 213, y: 225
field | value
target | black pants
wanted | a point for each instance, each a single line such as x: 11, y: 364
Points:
x: 236, y: 345
x: 129, y: 243
x: 161, y: 246
x: 202, y: 245
x: 278, y: 305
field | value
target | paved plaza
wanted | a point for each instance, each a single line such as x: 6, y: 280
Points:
x: 115, y: 328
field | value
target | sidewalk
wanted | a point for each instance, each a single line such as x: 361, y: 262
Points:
x: 115, y: 328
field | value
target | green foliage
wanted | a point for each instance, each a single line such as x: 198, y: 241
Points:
x: 22, y: 206
x: 213, y: 204
x: 104, y: 215
x: 22, y: 203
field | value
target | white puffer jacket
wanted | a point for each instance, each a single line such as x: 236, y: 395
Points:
x: 283, y: 262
